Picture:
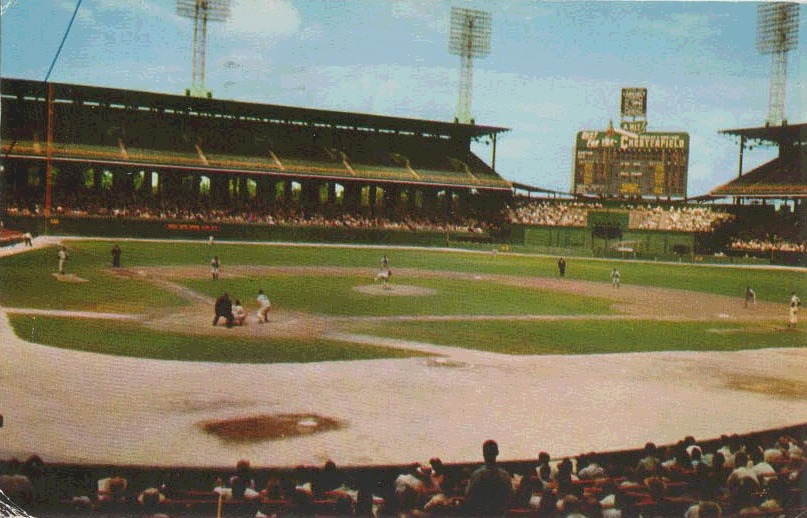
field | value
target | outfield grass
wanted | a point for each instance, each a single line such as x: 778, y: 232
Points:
x: 334, y: 295
x: 132, y: 339
x: 590, y: 337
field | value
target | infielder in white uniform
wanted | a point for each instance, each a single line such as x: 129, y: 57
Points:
x: 795, y: 304
x: 263, y: 312
x: 615, y: 278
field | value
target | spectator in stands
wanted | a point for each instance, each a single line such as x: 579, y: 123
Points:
x: 242, y: 482
x: 704, y: 510
x: 544, y: 469
x: 548, y: 505
x: 742, y: 473
x: 329, y: 479
x: 566, y: 478
x: 765, y: 472
x: 112, y: 490
x: 527, y: 485
x: 412, y: 489
x: 589, y: 469
x: 490, y: 489
x: 15, y: 484
x: 650, y: 464
x: 679, y: 465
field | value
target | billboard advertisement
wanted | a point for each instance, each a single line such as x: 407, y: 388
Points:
x: 634, y: 102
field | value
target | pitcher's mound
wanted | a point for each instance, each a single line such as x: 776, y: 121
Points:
x: 395, y: 290
x: 69, y: 277
x: 269, y: 427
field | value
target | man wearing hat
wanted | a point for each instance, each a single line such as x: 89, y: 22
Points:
x: 490, y: 489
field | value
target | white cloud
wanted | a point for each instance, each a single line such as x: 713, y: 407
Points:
x: 264, y: 18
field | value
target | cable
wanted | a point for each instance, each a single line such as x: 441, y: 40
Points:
x: 75, y: 12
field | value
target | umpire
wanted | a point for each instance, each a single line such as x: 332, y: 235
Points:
x: 224, y: 309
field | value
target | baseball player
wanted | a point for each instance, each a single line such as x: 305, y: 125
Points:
x: 263, y: 312
x: 795, y: 304
x: 62, y: 259
x: 615, y: 278
x: 750, y: 297
x: 214, y: 267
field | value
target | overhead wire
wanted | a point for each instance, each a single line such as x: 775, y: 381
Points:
x: 64, y: 38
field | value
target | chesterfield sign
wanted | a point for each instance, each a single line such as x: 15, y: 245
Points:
x: 589, y: 140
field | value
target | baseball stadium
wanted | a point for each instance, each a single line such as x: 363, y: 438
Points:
x: 419, y: 305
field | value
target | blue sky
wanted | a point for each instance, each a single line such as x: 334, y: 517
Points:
x: 555, y: 68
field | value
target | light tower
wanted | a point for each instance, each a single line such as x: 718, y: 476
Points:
x: 202, y: 11
x: 777, y: 34
x: 469, y: 38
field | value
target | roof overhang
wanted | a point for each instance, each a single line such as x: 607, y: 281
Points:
x: 139, y: 100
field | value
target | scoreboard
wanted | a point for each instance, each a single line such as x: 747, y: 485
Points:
x: 624, y: 164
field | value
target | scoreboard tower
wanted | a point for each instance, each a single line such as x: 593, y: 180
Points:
x: 628, y: 161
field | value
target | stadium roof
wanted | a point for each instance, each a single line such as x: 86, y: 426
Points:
x: 783, y: 177
x: 22, y: 88
x: 783, y: 134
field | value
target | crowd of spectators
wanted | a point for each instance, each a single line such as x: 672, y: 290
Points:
x: 641, y: 217
x: 780, y: 231
x: 767, y: 244
x: 735, y: 476
x: 274, y: 217
x: 679, y: 219
x: 550, y: 213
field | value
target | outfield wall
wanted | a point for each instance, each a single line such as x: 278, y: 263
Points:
x: 646, y: 244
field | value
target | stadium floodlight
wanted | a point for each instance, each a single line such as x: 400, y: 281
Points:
x: 4, y: 7
x: 777, y: 34
x: 469, y: 38
x: 202, y: 11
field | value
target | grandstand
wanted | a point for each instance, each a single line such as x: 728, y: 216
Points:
x: 71, y: 145
x: 769, y: 201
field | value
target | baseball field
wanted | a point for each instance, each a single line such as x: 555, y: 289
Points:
x: 123, y: 365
